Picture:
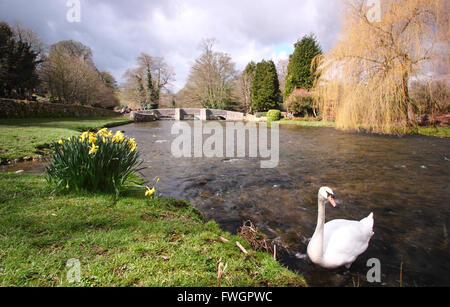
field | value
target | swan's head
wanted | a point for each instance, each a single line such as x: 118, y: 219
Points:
x: 327, y: 194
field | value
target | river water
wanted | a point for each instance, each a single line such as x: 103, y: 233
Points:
x: 403, y: 181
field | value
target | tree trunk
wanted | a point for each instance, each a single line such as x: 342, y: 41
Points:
x: 407, y: 109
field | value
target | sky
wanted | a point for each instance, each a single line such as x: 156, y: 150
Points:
x: 118, y: 31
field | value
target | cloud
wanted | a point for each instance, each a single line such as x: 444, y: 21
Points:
x: 118, y: 31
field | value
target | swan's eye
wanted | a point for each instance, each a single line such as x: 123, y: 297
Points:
x: 330, y: 196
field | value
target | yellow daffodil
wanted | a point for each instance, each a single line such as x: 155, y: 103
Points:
x: 150, y: 192
x: 92, y: 138
x: 84, y: 136
x: 104, y: 140
x: 69, y: 139
x: 157, y: 180
x: 102, y: 131
x: 93, y: 150
x: 118, y: 137
x: 105, y: 133
x: 67, y: 186
x: 60, y: 142
x: 132, y: 144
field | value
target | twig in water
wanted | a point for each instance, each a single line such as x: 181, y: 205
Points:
x: 354, y: 284
x: 401, y: 275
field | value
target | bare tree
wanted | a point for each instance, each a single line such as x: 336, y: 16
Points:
x: 282, y: 69
x: 211, y: 80
x: 145, y: 84
x: 71, y: 77
x: 244, y: 85
x: 30, y: 37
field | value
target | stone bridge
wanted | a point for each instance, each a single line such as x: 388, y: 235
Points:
x: 182, y: 114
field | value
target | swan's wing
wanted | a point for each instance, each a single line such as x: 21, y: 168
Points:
x: 330, y: 228
x: 368, y: 223
x: 344, y: 241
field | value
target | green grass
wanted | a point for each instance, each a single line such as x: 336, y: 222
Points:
x: 129, y: 242
x: 21, y: 138
x: 307, y: 123
x: 435, y: 131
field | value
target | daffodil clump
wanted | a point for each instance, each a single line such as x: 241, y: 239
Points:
x: 100, y: 161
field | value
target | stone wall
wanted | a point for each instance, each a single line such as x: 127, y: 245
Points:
x: 141, y: 117
x: 32, y: 109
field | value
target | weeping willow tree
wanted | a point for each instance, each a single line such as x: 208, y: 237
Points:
x: 364, y: 80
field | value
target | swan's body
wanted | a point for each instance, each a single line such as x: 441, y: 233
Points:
x: 339, y: 242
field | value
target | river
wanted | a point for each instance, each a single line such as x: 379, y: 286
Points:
x: 403, y: 181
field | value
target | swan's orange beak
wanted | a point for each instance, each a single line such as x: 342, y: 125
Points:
x: 331, y: 200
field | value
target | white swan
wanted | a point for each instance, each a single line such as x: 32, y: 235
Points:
x: 339, y: 242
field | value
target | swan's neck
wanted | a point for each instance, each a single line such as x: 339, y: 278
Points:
x: 315, y: 249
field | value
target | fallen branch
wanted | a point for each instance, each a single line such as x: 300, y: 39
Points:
x: 224, y: 240
x: 257, y: 240
x: 241, y: 248
x: 275, y: 252
x: 221, y: 270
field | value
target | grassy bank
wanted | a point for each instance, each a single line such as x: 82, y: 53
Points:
x: 20, y: 138
x: 129, y: 242
x: 435, y: 131
x: 307, y: 123
x: 427, y: 131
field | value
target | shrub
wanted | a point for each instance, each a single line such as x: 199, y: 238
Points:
x: 95, y: 162
x: 431, y: 97
x: 273, y: 115
x: 300, y: 105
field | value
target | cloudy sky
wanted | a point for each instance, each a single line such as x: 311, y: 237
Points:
x: 118, y: 31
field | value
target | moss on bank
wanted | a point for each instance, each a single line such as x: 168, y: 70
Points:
x: 130, y: 242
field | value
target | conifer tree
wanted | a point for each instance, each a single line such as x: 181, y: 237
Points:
x: 266, y: 87
x: 299, y: 73
x: 18, y: 65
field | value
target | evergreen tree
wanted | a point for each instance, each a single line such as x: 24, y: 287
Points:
x: 299, y: 73
x: 250, y: 68
x: 18, y: 65
x: 266, y: 87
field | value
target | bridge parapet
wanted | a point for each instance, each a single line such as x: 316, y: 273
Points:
x: 180, y: 114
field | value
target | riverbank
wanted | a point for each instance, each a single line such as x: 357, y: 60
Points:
x: 426, y: 131
x: 307, y: 123
x: 132, y: 241
x: 25, y: 139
